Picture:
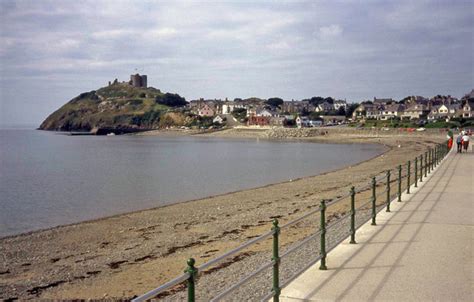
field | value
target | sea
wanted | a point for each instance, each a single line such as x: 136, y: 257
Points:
x: 49, y: 179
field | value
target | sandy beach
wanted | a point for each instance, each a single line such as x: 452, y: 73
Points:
x: 123, y: 256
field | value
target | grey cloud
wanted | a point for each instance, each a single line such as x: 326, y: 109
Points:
x: 346, y: 49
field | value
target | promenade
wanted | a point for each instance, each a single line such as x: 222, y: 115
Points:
x: 421, y: 251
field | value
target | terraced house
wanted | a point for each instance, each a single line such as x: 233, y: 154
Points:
x: 445, y: 111
x: 415, y: 111
x: 467, y: 110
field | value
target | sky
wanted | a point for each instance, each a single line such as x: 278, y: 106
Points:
x: 50, y: 51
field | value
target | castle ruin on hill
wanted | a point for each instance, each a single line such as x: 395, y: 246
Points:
x: 136, y: 80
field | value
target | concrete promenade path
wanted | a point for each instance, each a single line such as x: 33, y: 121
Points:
x: 421, y: 251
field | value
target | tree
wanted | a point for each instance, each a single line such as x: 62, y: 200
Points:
x: 239, y: 113
x: 304, y: 112
x: 315, y: 100
x: 171, y: 99
x: 351, y: 108
x: 329, y: 99
x: 274, y: 102
x: 341, y: 111
x: 405, y: 99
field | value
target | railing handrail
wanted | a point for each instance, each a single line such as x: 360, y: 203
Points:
x: 154, y: 292
x: 236, y: 250
x: 423, y: 165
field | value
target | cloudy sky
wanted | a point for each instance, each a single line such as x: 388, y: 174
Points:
x: 50, y: 51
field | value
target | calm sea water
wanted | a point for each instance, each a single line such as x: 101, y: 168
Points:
x: 47, y: 179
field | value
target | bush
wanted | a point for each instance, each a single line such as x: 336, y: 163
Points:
x: 171, y: 99
x: 239, y: 113
x: 274, y: 102
x: 166, y: 121
x: 148, y: 119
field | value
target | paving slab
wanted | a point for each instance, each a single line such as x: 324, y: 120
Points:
x: 421, y: 251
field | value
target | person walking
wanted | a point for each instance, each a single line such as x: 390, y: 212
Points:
x: 465, y: 141
x: 459, y: 143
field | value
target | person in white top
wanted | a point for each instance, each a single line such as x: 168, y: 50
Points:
x: 465, y: 141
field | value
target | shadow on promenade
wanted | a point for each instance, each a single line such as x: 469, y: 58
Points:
x: 400, y: 224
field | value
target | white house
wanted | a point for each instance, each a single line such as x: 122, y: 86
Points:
x: 415, y: 111
x: 445, y: 111
x: 302, y: 121
x: 324, y: 107
x: 391, y: 111
x: 218, y: 120
x: 468, y: 109
x: 228, y: 106
x: 340, y: 103
x: 265, y: 112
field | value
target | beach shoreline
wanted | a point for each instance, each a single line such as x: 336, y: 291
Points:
x: 103, y: 256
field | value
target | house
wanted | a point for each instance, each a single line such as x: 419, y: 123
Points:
x: 315, y: 123
x: 415, y: 111
x: 258, y: 120
x: 227, y: 107
x: 324, y: 107
x: 468, y: 109
x: 296, y: 106
x: 218, y: 120
x: 340, y: 103
x: 251, y: 111
x: 374, y: 111
x: 391, y: 111
x: 445, y: 111
x: 361, y: 111
x: 277, y: 120
x: 265, y: 112
x: 206, y: 110
x: 302, y: 122
x: 333, y: 119
x: 379, y: 102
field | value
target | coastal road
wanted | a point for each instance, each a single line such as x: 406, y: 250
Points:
x: 421, y: 251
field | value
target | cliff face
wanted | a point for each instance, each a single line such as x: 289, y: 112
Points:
x: 118, y: 106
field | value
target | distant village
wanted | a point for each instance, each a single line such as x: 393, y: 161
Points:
x: 320, y: 111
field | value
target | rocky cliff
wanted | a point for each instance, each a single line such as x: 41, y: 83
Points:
x: 119, y: 107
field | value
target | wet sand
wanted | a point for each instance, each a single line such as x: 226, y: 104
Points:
x: 126, y: 255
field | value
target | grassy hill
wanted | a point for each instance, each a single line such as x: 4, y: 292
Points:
x: 118, y: 106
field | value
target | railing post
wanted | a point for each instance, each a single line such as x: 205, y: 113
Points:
x: 408, y: 176
x: 399, y: 183
x: 374, y: 199
x: 439, y: 154
x: 428, y: 161
x: 416, y: 172
x: 353, y: 212
x: 421, y: 168
x: 276, y: 259
x: 388, y: 191
x: 323, y: 236
x: 433, y: 159
x: 192, y: 279
x: 430, y: 165
x: 426, y: 164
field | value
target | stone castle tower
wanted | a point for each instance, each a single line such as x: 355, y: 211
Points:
x: 137, y: 80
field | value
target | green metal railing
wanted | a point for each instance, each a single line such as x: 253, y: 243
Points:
x: 430, y: 160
